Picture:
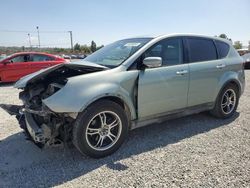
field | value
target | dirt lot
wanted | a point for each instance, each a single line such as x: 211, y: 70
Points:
x: 198, y: 150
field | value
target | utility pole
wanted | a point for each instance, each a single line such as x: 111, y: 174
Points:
x: 39, y: 45
x: 71, y: 40
x: 29, y: 41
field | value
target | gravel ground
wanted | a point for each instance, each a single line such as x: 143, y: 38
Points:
x: 194, y: 151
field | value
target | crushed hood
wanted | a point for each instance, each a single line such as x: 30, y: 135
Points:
x: 77, y: 68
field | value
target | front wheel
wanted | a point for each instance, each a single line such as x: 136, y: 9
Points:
x: 101, y: 129
x: 227, y: 102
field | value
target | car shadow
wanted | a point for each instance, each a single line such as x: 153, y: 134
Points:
x: 6, y: 84
x: 66, y: 164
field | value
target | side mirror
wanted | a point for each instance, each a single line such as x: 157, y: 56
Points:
x: 152, y: 62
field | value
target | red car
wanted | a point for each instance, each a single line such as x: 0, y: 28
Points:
x: 18, y: 65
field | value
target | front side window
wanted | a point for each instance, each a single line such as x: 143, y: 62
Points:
x: 201, y: 49
x: 116, y: 53
x: 170, y: 50
x: 20, y: 58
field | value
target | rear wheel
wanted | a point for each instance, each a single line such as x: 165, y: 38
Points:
x: 227, y: 102
x: 100, y: 129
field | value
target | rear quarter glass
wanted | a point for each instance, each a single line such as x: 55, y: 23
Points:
x: 223, y: 48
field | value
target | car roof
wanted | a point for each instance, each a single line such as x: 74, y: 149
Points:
x: 196, y: 35
x: 183, y: 35
x: 40, y: 53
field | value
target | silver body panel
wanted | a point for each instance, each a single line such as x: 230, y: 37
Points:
x: 159, y: 90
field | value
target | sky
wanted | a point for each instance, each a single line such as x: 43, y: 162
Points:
x: 105, y: 21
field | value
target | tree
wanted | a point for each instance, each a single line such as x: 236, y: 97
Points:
x: 99, y: 47
x: 85, y: 49
x: 93, y: 46
x: 237, y: 45
x: 77, y: 47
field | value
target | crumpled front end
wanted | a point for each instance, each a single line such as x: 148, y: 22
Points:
x: 43, y: 127
x: 41, y: 124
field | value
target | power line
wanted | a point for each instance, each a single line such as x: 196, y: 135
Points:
x: 53, y: 31
x: 7, y: 44
x: 55, y: 44
x: 38, y: 34
x: 24, y: 31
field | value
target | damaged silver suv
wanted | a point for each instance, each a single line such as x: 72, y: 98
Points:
x: 127, y: 84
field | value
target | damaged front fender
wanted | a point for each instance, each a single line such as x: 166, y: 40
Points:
x: 82, y: 90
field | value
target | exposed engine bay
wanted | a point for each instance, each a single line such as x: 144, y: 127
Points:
x: 42, y: 125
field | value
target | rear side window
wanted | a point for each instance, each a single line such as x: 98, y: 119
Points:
x: 223, y: 48
x: 201, y: 49
x: 38, y: 57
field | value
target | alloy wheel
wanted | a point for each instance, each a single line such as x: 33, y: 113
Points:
x: 103, y: 130
x: 228, y: 101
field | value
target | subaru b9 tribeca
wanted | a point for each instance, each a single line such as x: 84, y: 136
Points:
x: 127, y: 84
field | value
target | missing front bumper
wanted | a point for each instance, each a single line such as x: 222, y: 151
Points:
x: 36, y: 133
x: 27, y: 123
x: 55, y: 132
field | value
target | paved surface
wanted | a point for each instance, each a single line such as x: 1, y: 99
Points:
x: 198, y: 150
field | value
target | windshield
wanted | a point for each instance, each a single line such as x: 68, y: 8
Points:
x: 116, y: 53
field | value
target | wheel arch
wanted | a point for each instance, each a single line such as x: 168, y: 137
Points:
x: 229, y: 77
x: 126, y: 104
x: 217, y: 110
x: 231, y: 81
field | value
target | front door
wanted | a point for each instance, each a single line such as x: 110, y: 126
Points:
x: 16, y: 68
x: 164, y: 89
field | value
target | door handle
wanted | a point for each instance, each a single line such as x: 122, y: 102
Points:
x: 220, y: 66
x: 181, y: 72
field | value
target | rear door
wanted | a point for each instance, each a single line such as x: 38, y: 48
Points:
x: 41, y: 61
x: 205, y: 70
x: 17, y: 67
x: 164, y: 89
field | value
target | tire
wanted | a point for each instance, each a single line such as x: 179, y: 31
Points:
x: 220, y: 109
x: 95, y: 138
